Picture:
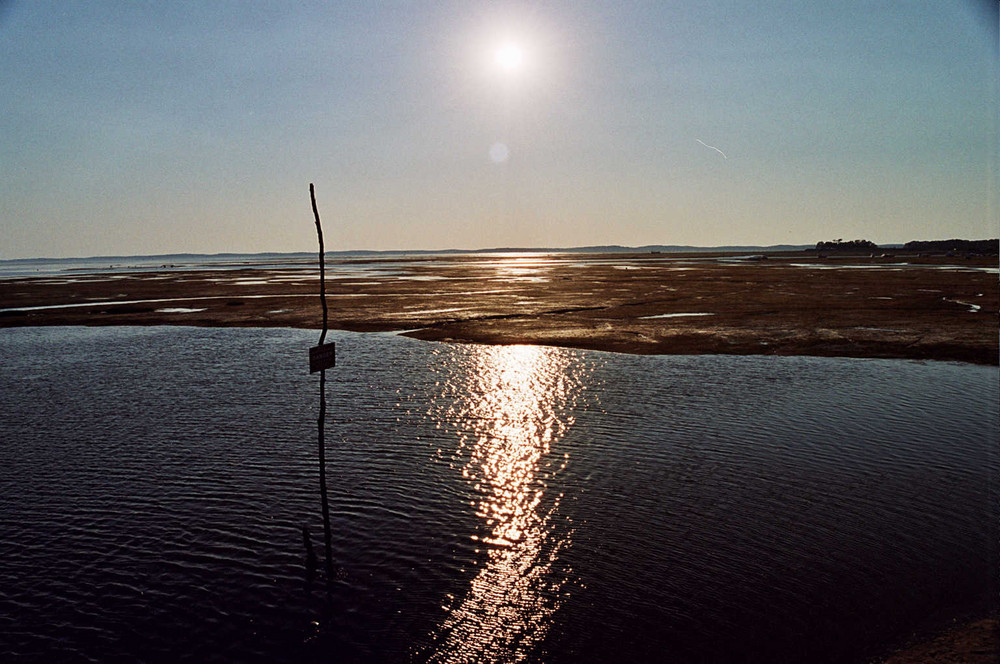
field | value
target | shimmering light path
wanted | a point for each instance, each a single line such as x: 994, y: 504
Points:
x: 514, y: 414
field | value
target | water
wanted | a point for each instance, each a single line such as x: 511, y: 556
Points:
x: 487, y: 503
x: 349, y: 263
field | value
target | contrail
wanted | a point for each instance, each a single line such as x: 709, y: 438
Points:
x: 712, y: 147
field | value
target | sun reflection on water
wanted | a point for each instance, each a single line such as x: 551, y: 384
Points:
x: 513, y: 415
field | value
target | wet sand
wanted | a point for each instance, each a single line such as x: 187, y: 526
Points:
x: 977, y: 642
x: 941, y: 308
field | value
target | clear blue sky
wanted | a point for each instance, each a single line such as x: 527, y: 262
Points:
x: 157, y: 127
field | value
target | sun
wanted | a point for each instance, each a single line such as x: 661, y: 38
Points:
x: 510, y: 56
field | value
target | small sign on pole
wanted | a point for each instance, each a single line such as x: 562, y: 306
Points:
x: 322, y: 357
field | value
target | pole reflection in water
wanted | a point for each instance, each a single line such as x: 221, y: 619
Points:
x: 514, y: 413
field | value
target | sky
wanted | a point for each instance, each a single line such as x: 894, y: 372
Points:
x: 150, y: 127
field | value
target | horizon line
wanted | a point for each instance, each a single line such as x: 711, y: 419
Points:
x: 606, y: 248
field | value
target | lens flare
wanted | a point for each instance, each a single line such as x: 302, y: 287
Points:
x: 499, y: 153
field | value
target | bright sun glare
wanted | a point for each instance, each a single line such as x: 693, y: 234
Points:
x: 510, y: 56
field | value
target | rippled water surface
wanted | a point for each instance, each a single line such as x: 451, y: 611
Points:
x: 487, y: 503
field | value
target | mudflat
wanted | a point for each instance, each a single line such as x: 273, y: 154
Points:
x: 976, y: 642
x: 903, y: 306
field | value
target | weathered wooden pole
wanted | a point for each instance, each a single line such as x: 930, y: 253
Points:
x: 320, y: 358
x: 322, y: 264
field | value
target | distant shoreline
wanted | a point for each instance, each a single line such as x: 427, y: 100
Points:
x: 781, y: 303
x: 388, y: 253
x: 932, y: 246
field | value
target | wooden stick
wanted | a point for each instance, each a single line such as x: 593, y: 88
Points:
x: 327, y: 538
x: 322, y: 266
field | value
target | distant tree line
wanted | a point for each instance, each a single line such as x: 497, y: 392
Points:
x: 988, y: 247
x: 965, y: 246
x: 847, y: 245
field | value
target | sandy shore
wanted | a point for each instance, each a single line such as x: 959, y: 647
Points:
x: 976, y: 642
x: 789, y: 304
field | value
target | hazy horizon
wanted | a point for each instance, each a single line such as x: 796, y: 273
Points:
x: 151, y: 129
x: 611, y: 248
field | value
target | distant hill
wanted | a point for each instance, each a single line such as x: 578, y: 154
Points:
x: 590, y: 249
x: 620, y: 249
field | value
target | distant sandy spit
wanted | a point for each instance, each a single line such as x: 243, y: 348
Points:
x: 786, y: 304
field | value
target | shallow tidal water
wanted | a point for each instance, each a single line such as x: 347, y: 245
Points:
x: 486, y: 503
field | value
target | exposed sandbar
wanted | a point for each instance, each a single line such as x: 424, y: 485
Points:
x: 789, y: 304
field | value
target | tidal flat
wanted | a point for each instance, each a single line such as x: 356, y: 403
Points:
x: 905, y: 306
